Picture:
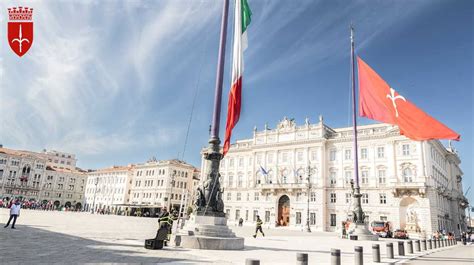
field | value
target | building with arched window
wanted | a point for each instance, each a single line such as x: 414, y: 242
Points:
x: 412, y: 184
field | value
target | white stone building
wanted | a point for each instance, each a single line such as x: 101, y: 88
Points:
x: 156, y: 184
x: 148, y: 186
x: 31, y: 176
x: 109, y: 188
x: 401, y: 180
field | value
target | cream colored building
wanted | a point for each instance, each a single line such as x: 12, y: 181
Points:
x: 158, y: 184
x: 402, y: 181
x: 31, y: 176
x: 148, y: 186
x: 108, y: 188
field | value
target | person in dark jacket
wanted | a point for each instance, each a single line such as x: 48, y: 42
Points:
x: 258, y: 227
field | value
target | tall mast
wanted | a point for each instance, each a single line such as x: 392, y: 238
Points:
x: 358, y: 207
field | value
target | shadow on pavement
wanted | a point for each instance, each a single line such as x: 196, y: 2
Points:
x: 32, y: 245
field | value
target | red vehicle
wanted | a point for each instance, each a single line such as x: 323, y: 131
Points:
x: 381, y: 228
x: 401, y: 234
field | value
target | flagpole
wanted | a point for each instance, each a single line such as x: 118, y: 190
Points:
x: 358, y: 214
x: 357, y: 195
x: 210, y: 198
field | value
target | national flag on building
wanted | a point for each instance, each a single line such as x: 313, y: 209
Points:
x: 241, y: 22
x: 379, y: 101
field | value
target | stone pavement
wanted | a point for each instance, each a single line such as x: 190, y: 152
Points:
x: 69, y: 237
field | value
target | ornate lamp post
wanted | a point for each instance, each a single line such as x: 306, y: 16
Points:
x: 309, y: 171
x: 96, y: 181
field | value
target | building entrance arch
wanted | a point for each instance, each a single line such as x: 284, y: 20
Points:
x: 284, y: 211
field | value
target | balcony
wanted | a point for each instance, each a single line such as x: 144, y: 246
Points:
x: 288, y: 187
x: 401, y: 189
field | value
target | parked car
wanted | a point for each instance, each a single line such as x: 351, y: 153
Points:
x: 400, y: 234
x: 381, y: 228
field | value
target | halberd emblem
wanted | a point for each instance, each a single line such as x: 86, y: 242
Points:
x: 20, y: 29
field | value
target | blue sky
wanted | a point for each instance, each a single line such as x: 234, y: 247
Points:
x: 113, y: 81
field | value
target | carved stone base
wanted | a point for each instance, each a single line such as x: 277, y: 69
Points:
x: 363, y: 233
x: 208, y: 232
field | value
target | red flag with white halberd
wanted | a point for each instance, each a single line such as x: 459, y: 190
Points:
x: 241, y: 22
x: 379, y: 101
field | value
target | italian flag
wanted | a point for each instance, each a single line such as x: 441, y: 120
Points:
x: 241, y: 22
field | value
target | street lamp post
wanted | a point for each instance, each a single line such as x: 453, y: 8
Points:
x: 96, y: 181
x: 308, y: 193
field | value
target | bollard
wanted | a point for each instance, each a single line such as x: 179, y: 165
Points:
x: 446, y: 242
x: 410, y: 247
x: 358, y: 255
x: 302, y: 258
x: 443, y: 243
x: 430, y: 245
x: 389, y: 250
x: 375, y: 253
x: 435, y: 243
x: 401, y: 248
x: 417, y: 246
x: 423, y: 244
x: 335, y: 256
x: 252, y: 262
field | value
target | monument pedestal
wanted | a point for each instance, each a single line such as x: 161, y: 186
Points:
x: 207, y: 232
x: 363, y: 233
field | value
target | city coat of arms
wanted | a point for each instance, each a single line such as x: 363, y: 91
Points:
x: 20, y: 29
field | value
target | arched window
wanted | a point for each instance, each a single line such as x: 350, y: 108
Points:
x: 258, y: 178
x: 407, y: 175
x: 270, y: 176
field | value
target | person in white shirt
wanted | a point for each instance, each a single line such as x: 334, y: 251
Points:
x: 14, y: 213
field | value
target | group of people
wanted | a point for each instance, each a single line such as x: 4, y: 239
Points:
x: 35, y: 205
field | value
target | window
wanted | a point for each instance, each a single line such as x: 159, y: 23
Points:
x: 347, y: 154
x: 231, y: 180
x: 313, y: 197
x: 332, y: 178
x: 241, y: 162
x: 227, y: 213
x: 231, y: 162
x: 365, y: 176
x: 348, y: 197
x: 383, y: 218
x: 248, y: 196
x: 229, y: 196
x: 284, y: 157
x: 246, y: 215
x: 382, y: 178
x: 363, y: 153
x: 298, y: 196
x: 333, y: 219
x: 383, y: 198
x: 237, y: 214
x: 332, y: 155
x: 347, y: 176
x: 333, y: 197
x: 365, y: 198
x: 407, y: 175
x: 240, y: 180
x: 270, y: 158
x: 312, y: 218
x: 406, y: 149
x: 299, y: 156
x: 298, y: 218
x: 255, y: 213
x: 239, y: 196
x: 314, y: 155
x: 380, y: 152
x: 267, y: 216
x: 256, y: 196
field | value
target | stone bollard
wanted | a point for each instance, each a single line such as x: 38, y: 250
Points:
x: 401, y: 248
x: 335, y: 256
x: 252, y: 262
x: 443, y: 243
x: 389, y: 250
x: 439, y: 243
x: 417, y: 246
x: 410, y: 247
x: 302, y: 258
x: 423, y: 244
x: 435, y: 243
x: 375, y: 253
x: 430, y: 245
x: 358, y: 255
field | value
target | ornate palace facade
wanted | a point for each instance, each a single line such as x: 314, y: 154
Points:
x: 49, y: 177
x: 405, y: 182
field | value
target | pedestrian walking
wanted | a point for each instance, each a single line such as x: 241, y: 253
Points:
x: 259, y: 227
x: 241, y: 221
x: 14, y: 213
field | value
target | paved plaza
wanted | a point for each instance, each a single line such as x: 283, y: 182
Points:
x: 70, y: 237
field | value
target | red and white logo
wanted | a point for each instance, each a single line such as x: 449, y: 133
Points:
x: 20, y: 29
